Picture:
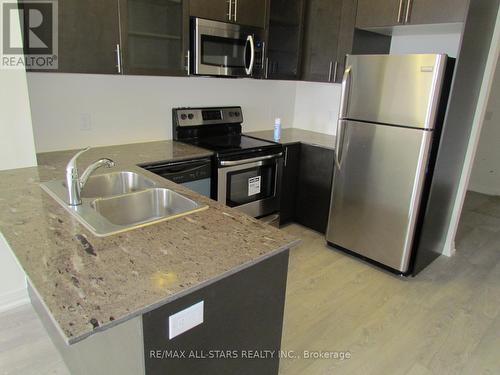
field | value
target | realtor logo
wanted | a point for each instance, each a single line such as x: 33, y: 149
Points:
x: 29, y: 34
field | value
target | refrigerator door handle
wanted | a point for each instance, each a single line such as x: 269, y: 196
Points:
x: 340, y: 143
x: 344, y: 100
x: 346, y: 88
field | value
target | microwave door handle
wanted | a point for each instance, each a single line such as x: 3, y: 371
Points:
x: 250, y: 41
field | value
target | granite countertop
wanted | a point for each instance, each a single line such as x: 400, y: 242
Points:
x: 294, y: 135
x: 90, y: 283
x: 131, y: 154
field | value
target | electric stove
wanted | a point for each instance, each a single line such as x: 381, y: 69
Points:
x: 247, y: 171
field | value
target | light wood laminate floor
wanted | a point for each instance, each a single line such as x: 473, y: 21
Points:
x: 445, y: 321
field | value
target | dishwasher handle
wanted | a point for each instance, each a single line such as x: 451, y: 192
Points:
x: 189, y: 170
x: 177, y: 166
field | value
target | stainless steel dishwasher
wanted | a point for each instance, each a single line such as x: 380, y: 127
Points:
x: 193, y: 174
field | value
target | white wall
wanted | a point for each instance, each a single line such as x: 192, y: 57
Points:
x: 17, y: 150
x: 448, y: 43
x: 485, y: 177
x: 128, y: 109
x: 317, y: 106
x: 12, y: 280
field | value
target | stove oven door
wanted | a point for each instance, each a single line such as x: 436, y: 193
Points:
x: 252, y: 185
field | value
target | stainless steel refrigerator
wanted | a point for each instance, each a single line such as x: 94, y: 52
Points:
x: 391, y: 111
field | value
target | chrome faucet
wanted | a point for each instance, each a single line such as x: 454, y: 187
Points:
x: 75, y: 183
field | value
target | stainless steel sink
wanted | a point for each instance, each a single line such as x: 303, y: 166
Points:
x: 117, y: 183
x: 144, y: 206
x: 122, y: 201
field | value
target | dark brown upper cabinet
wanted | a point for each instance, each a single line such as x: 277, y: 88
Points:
x: 251, y: 12
x: 379, y: 13
x: 285, y: 39
x: 420, y: 12
x: 217, y: 10
x: 328, y: 37
x: 388, y: 13
x: 154, y: 36
x: 88, y: 36
x: 245, y: 12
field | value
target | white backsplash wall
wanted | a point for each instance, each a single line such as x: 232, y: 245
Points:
x: 317, y: 106
x: 75, y: 110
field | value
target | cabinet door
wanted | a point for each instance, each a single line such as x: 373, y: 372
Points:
x: 346, y: 38
x: 378, y: 13
x: 217, y: 10
x: 431, y: 11
x: 289, y: 183
x: 250, y: 12
x: 285, y: 39
x: 320, y: 40
x: 88, y: 36
x: 154, y: 36
x: 314, y: 187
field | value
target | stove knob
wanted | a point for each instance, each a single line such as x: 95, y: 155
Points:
x: 183, y: 116
x: 190, y: 116
x: 237, y: 114
x: 231, y: 114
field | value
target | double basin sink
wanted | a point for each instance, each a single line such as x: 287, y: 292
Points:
x: 120, y: 201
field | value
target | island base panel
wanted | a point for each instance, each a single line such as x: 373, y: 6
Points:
x: 243, y: 318
x: 117, y: 350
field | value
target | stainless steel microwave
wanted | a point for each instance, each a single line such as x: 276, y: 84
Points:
x: 226, y: 49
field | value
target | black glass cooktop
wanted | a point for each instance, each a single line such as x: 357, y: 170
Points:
x: 233, y: 143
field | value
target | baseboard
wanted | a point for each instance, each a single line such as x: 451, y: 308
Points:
x: 449, y: 249
x: 13, y: 299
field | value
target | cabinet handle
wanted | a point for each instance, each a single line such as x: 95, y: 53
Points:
x: 235, y: 10
x: 266, y: 68
x: 118, y: 59
x: 400, y: 12
x: 408, y: 10
x: 335, y: 69
x: 230, y: 9
x: 330, y: 71
x: 286, y: 155
x: 188, y: 63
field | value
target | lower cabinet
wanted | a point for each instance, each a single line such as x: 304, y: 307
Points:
x: 289, y: 182
x: 314, y: 184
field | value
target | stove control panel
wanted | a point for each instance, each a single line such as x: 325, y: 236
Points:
x: 207, y: 116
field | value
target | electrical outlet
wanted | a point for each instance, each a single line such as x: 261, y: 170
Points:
x: 85, y: 122
x: 184, y: 320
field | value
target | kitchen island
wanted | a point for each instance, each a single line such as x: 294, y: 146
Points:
x: 106, y: 301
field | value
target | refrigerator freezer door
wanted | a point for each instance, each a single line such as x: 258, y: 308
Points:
x: 376, y: 191
x: 394, y: 89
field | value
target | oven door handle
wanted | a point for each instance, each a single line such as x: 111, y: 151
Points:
x: 250, y: 41
x: 229, y: 163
